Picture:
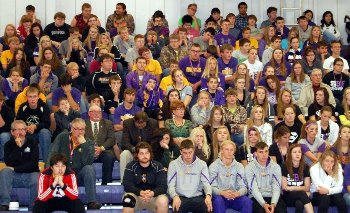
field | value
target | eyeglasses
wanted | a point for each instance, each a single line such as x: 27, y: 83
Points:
x: 19, y: 130
x: 78, y: 129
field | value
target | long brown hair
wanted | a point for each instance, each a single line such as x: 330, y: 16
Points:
x: 302, y: 74
x: 246, y: 76
x: 283, y: 69
x: 308, y: 123
x: 277, y: 82
x: 210, y: 121
x: 55, y: 61
x: 289, y: 162
x: 215, y: 142
x: 338, y: 145
x: 250, y: 121
x: 265, y: 105
x: 280, y: 104
x: 345, y: 104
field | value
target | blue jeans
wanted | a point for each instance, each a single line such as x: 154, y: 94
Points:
x: 83, y: 105
x: 107, y: 159
x: 44, y: 139
x: 87, y: 178
x: 238, y: 139
x: 4, y: 137
x: 10, y: 179
x: 346, y: 197
x: 243, y: 204
x: 329, y: 37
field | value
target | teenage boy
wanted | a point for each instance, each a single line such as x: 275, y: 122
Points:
x: 328, y: 63
x: 92, y: 21
x: 30, y: 11
x: 191, y: 11
x: 246, y: 34
x: 267, y: 54
x: 187, y: 178
x: 224, y: 37
x: 264, y: 179
x: 187, y: 21
x: 215, y: 91
x: 242, y: 53
x: 173, y: 51
x: 36, y: 114
x: 281, y: 29
x: 46, y: 80
x: 271, y: 13
x: 322, y: 51
x: 304, y: 28
x: 58, y: 188
x: 133, y: 53
x: 235, y: 32
x: 215, y: 13
x: 58, y: 30
x: 98, y: 82
x: 7, y: 55
x: 227, y: 64
x: 210, y: 22
x: 206, y: 39
x: 145, y: 183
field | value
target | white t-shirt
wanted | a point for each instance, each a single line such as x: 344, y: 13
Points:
x: 328, y: 63
x: 255, y: 68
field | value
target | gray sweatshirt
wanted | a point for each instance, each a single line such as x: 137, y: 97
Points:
x: 264, y: 181
x: 188, y: 180
x: 227, y: 178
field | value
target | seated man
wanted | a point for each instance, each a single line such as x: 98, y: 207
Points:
x: 96, y: 100
x: 7, y: 115
x: 100, y: 131
x: 193, y: 175
x: 58, y: 189
x: 21, y: 159
x: 145, y: 182
x: 36, y: 114
x: 264, y: 180
x: 81, y: 152
x: 229, y: 187
x: 137, y: 129
x: 72, y: 94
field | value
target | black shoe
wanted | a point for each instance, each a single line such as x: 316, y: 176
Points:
x: 94, y: 205
x: 4, y: 208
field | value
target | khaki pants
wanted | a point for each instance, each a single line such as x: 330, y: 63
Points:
x: 151, y: 205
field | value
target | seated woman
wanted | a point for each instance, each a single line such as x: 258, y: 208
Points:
x: 76, y: 53
x: 297, y: 80
x: 315, y: 37
x: 13, y: 85
x: 311, y: 146
x: 50, y: 56
x: 235, y: 116
x: 257, y: 120
x: 344, y: 109
x: 32, y: 40
x: 163, y: 147
x: 202, y: 148
x: 90, y: 42
x: 310, y: 61
x: 294, y: 53
x: 296, y: 181
x: 95, y: 64
x: 201, y: 110
x: 327, y: 183
x: 273, y: 86
x: 282, y: 67
x: 216, y: 119
x: 261, y: 98
x: 278, y: 150
x: 212, y: 70
x: 284, y: 100
x: 185, y: 91
x: 179, y: 126
x: 19, y: 63
x: 327, y: 129
x: 321, y: 100
x: 265, y: 42
x: 342, y: 146
x: 44, y: 42
x: 243, y: 95
x: 246, y: 153
x: 165, y: 112
x: 220, y: 135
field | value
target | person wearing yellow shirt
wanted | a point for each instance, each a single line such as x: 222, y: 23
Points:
x: 246, y: 34
x: 22, y: 97
x: 168, y: 80
x: 7, y: 55
x: 152, y: 66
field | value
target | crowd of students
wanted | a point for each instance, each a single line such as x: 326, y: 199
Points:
x: 257, y: 118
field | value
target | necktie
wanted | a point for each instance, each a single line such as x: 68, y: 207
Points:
x: 95, y: 131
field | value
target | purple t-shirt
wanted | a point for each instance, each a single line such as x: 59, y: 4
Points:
x: 227, y: 69
x: 346, y: 178
x: 121, y: 113
x: 58, y: 92
x: 221, y: 80
x: 193, y: 70
x: 225, y: 39
x: 278, y: 73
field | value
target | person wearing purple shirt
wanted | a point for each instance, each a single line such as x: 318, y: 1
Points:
x: 12, y: 86
x: 193, y: 67
x: 346, y: 185
x: 224, y: 37
x: 72, y: 94
x: 227, y: 64
x: 216, y: 93
x: 276, y: 61
x: 134, y: 78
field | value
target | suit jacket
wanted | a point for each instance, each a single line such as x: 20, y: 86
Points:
x: 105, y: 136
x: 132, y: 135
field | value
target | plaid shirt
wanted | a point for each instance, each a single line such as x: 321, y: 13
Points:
x: 241, y: 22
x: 236, y: 119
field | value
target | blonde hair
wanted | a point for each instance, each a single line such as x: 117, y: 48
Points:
x: 205, y: 147
x: 99, y: 41
x: 246, y: 76
x: 70, y: 48
x: 246, y: 145
x: 45, y: 37
x: 250, y: 121
x: 206, y: 72
x: 88, y: 40
x: 201, y: 93
x: 215, y: 142
x: 335, y: 168
x: 6, y: 37
x: 225, y: 143
x: 280, y: 105
x: 345, y: 104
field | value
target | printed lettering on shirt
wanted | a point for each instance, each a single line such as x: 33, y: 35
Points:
x: 337, y: 85
x: 193, y: 69
x: 293, y: 137
x: 295, y: 181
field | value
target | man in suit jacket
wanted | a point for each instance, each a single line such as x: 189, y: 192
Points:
x: 100, y: 131
x: 136, y: 129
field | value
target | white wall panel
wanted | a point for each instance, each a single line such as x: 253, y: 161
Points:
x: 12, y: 10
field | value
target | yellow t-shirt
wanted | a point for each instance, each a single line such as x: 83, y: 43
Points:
x: 6, y: 57
x: 153, y: 67
x: 168, y: 81
x: 253, y: 43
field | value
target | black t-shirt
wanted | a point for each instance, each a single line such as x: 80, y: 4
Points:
x: 297, y: 109
x: 274, y: 151
x: 295, y: 130
x: 325, y: 133
x: 242, y: 154
x: 296, y: 180
x: 315, y: 109
x: 58, y: 34
x: 337, y: 82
